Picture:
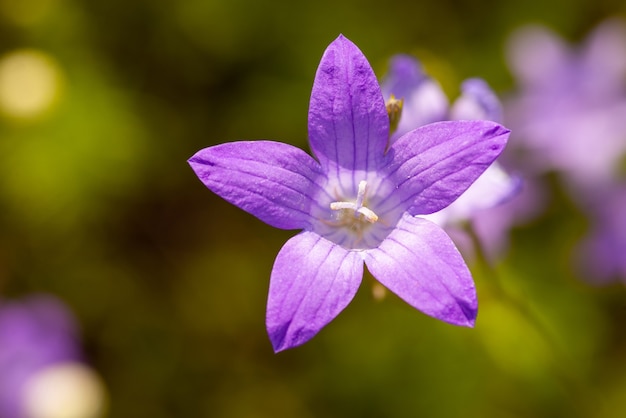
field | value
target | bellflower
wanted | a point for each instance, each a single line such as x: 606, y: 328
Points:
x: 424, y: 102
x: 423, y: 99
x: 34, y: 333
x: 600, y: 255
x: 41, y: 372
x: 355, y: 202
x: 569, y: 106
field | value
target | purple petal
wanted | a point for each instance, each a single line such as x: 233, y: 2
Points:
x: 600, y: 255
x: 419, y: 263
x: 348, y: 122
x: 273, y: 181
x: 404, y: 76
x: 603, y: 56
x: 432, y: 165
x: 537, y: 56
x: 313, y: 280
x: 494, y: 187
x: 478, y: 102
x: 424, y: 99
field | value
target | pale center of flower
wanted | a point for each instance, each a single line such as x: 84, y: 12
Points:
x: 355, y: 215
x: 357, y: 219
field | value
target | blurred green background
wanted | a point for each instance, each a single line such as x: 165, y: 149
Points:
x: 169, y: 282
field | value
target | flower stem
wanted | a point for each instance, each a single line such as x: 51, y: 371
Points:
x: 586, y: 400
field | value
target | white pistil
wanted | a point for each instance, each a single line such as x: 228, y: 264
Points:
x: 360, y: 211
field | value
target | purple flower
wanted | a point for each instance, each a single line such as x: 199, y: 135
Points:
x: 356, y: 202
x: 477, y: 101
x: 600, y: 256
x: 423, y: 98
x: 568, y: 110
x: 424, y: 102
x: 34, y: 334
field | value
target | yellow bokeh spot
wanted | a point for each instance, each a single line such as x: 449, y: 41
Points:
x: 30, y: 82
x: 65, y: 390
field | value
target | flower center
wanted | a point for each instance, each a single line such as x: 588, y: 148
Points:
x: 356, y: 211
x: 354, y: 215
x: 356, y: 219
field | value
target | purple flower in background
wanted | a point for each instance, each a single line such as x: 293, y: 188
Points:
x: 34, y: 333
x: 423, y: 98
x: 600, y: 256
x: 424, y: 102
x: 356, y: 202
x: 568, y: 111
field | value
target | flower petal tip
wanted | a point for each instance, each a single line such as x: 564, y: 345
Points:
x: 494, y: 129
x: 468, y: 316
x: 341, y: 38
x: 282, y: 340
x: 499, y: 136
x: 463, y: 313
x: 342, y: 41
x: 467, y: 321
x: 281, y: 348
x: 470, y: 322
x: 277, y: 338
x: 278, y: 348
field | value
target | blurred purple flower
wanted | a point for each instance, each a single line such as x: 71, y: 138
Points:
x: 423, y: 98
x: 568, y: 111
x: 356, y: 202
x: 424, y: 102
x: 600, y: 256
x: 34, y: 333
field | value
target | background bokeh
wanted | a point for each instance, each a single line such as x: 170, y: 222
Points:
x: 103, y: 102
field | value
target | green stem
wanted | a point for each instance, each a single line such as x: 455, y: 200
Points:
x: 564, y: 367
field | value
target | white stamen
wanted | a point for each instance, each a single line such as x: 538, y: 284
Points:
x: 361, y: 194
x: 369, y: 214
x: 357, y: 206
x: 342, y: 205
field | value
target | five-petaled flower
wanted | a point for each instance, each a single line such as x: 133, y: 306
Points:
x: 356, y: 202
